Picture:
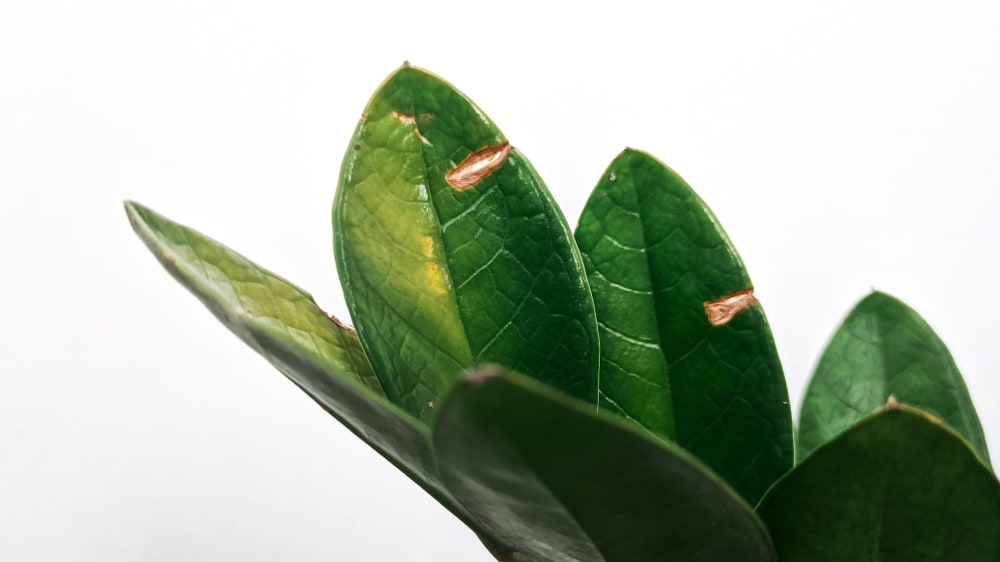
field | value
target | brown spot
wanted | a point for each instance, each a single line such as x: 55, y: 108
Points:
x: 430, y: 404
x: 340, y: 324
x: 478, y: 165
x: 721, y: 311
x: 404, y: 118
x: 357, y: 147
x: 364, y: 117
x: 892, y: 403
x: 410, y: 120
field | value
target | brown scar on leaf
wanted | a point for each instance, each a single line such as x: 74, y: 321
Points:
x: 477, y: 166
x: 410, y: 120
x: 364, y: 117
x: 430, y: 404
x: 404, y: 118
x: 721, y: 311
x: 892, y: 403
x: 340, y: 324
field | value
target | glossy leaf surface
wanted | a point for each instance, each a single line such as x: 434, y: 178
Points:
x: 555, y: 481
x: 658, y: 262
x: 283, y: 323
x: 898, y: 486
x: 452, y: 252
x: 884, y: 348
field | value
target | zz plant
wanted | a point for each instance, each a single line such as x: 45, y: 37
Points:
x: 608, y: 394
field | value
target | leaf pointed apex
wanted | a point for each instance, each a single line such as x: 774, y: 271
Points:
x: 435, y: 216
x: 892, y: 403
x: 879, y: 297
x: 316, y: 351
x: 680, y: 341
x: 132, y: 210
x: 884, y: 347
x: 630, y: 153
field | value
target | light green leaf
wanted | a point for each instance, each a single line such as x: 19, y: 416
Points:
x: 452, y: 252
x: 554, y: 481
x: 897, y: 486
x: 882, y: 349
x: 283, y: 323
x: 661, y: 270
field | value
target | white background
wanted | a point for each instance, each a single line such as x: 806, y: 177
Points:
x: 843, y: 146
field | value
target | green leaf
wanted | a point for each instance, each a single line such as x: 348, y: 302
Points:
x: 658, y: 263
x: 556, y: 481
x: 898, y: 486
x: 884, y: 348
x: 283, y: 323
x: 442, y: 269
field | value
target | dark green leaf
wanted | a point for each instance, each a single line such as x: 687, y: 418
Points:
x: 443, y: 270
x: 884, y: 348
x: 658, y: 264
x: 283, y: 323
x: 555, y: 481
x: 898, y: 486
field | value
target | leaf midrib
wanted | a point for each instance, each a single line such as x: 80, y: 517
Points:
x: 439, y: 233
x: 647, y: 260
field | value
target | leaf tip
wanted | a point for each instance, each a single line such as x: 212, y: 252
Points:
x: 409, y: 69
x: 139, y: 217
x: 131, y: 210
x: 892, y: 404
x: 878, y: 300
